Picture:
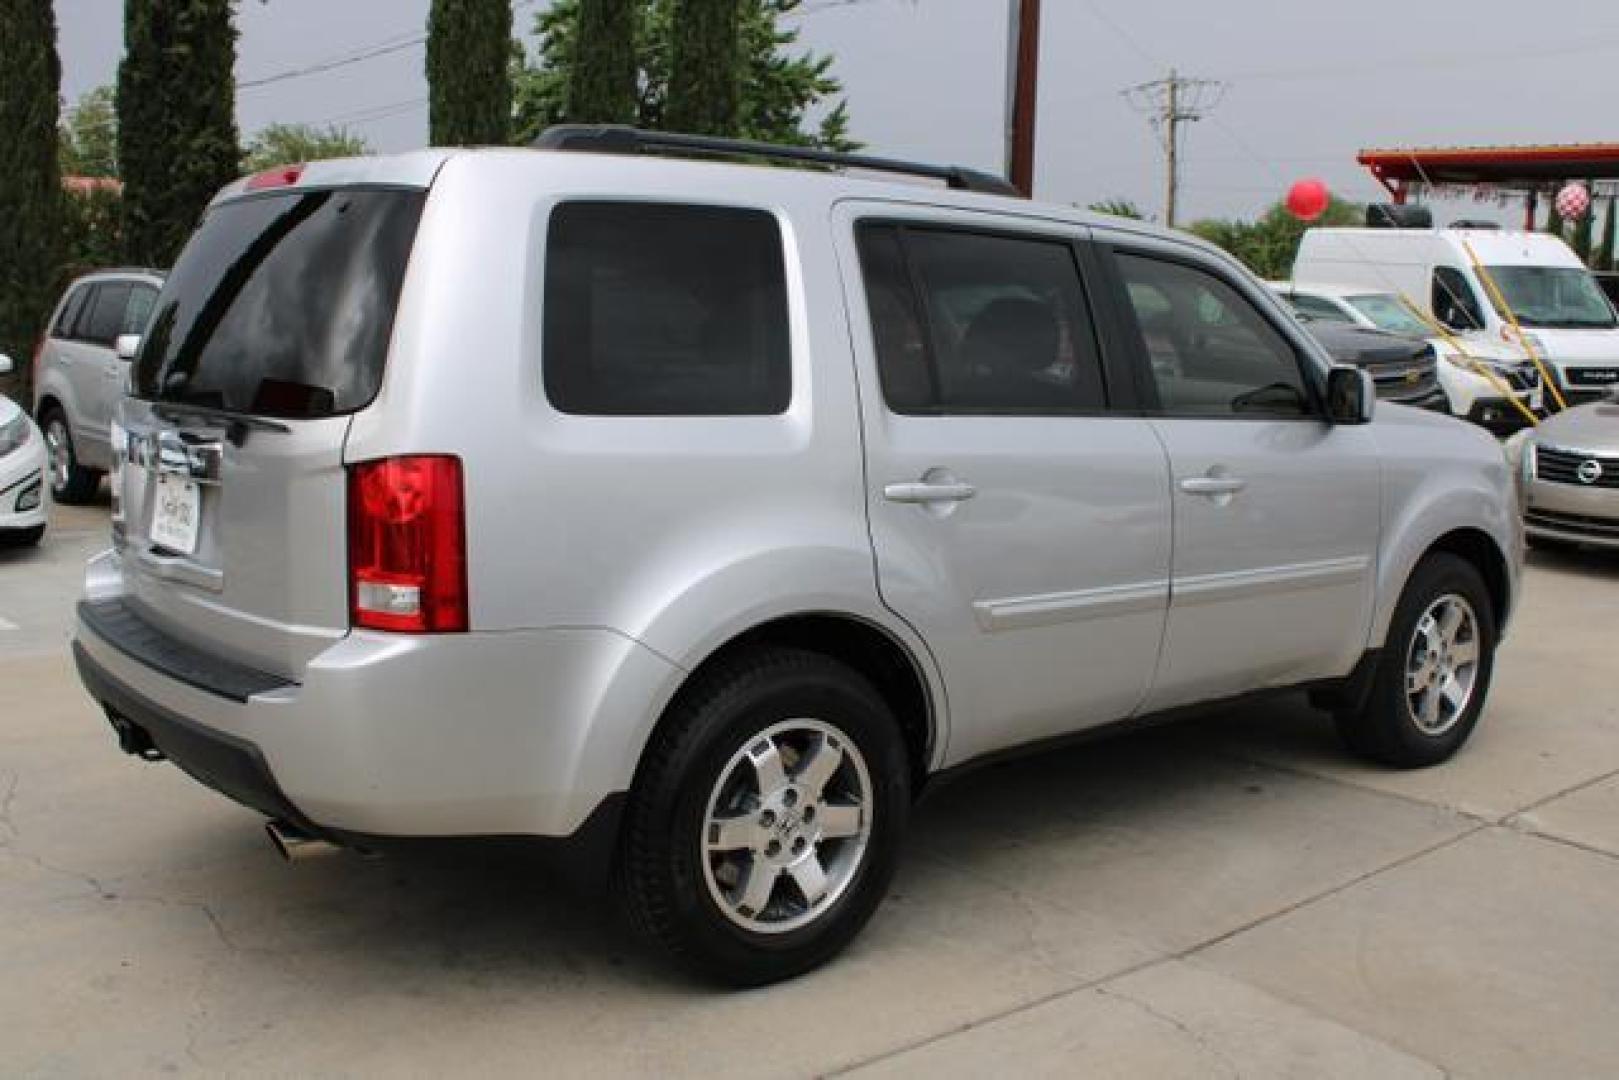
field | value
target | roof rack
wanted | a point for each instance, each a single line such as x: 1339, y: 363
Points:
x: 621, y: 139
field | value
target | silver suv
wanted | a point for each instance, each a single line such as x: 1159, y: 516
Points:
x: 695, y: 515
x: 79, y: 376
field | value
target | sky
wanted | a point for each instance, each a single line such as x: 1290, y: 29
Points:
x: 1304, y: 86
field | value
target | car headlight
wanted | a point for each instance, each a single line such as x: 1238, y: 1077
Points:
x: 14, y: 434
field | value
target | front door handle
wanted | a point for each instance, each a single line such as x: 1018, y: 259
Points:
x: 923, y: 492
x: 1213, y: 485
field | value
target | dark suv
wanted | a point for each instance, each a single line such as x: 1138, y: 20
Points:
x: 1405, y: 369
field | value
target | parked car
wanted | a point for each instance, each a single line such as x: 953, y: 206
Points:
x: 1403, y: 368
x: 1571, y: 477
x: 695, y: 515
x: 22, y: 473
x: 1468, y: 393
x: 79, y: 377
x: 1556, y: 301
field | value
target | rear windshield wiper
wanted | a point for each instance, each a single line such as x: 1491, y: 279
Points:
x: 236, y: 424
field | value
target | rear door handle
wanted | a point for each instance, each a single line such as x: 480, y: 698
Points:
x: 925, y: 492
x: 1213, y: 485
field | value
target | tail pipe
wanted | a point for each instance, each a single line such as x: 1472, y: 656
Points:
x: 294, y: 844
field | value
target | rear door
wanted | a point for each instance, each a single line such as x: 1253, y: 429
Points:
x: 1019, y: 526
x: 88, y: 360
x: 1277, y: 512
x: 269, y: 334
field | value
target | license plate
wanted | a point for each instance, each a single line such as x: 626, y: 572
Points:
x: 176, y: 514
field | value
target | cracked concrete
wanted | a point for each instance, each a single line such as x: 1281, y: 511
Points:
x: 1229, y: 897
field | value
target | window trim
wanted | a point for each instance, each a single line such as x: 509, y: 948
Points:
x: 547, y: 215
x: 1077, y: 251
x: 64, y: 327
x: 1133, y: 345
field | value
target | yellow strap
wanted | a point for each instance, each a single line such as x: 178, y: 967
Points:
x: 1489, y: 376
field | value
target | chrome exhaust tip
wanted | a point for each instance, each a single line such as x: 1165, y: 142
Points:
x: 295, y: 845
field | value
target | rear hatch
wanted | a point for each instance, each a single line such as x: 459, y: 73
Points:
x: 270, y: 333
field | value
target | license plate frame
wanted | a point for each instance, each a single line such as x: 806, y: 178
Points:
x: 176, y: 514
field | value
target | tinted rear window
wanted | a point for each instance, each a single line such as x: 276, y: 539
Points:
x: 661, y: 310
x: 106, y: 319
x: 283, y: 305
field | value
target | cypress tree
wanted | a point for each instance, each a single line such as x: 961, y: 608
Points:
x: 602, y: 85
x: 30, y: 179
x: 1582, y: 231
x: 1554, y: 220
x: 1606, y: 257
x: 176, y: 120
x: 704, y: 72
x: 469, y: 51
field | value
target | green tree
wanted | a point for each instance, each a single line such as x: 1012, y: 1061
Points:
x: 1269, y: 245
x: 1582, y: 232
x: 1554, y: 220
x: 88, y: 138
x: 703, y: 72
x: 176, y: 120
x: 288, y: 144
x: 30, y: 177
x: 1605, y: 256
x: 600, y: 38
x: 468, y: 72
x: 779, y: 86
x: 92, y: 228
x: 1118, y: 206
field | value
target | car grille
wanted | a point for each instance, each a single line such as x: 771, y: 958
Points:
x: 1558, y: 466
x: 1582, y: 524
x: 1592, y: 376
x: 1520, y: 378
x: 1401, y: 380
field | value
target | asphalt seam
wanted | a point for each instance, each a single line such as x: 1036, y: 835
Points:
x: 1179, y: 955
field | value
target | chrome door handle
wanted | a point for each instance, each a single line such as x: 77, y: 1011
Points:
x: 1213, y: 485
x: 924, y: 492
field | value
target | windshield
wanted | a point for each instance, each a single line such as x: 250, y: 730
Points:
x: 282, y: 305
x: 1387, y: 313
x: 1554, y: 297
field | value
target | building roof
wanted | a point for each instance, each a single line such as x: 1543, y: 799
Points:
x: 1520, y: 166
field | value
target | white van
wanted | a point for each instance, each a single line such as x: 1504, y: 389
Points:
x: 1570, y: 322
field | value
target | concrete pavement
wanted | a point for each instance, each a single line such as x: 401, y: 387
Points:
x: 1231, y: 896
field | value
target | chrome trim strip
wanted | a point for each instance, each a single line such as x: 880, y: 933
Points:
x: 1231, y: 585
x: 1049, y: 609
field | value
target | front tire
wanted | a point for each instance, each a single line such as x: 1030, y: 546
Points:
x: 1434, y: 672
x: 71, y: 483
x: 765, y: 824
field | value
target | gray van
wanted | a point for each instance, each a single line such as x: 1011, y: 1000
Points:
x: 80, y: 378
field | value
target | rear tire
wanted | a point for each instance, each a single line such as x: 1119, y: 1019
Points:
x: 1433, y: 674
x: 71, y: 483
x: 765, y: 824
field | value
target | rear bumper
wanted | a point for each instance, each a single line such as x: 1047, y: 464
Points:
x: 527, y: 733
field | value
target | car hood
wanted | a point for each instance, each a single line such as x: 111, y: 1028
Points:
x: 1359, y: 345
x: 1593, y: 427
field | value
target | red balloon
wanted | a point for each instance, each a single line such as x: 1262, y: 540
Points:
x: 1307, y: 199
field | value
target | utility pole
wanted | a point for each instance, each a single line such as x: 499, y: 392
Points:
x: 1023, y: 81
x: 1167, y: 104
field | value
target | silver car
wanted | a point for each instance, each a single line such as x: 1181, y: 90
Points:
x: 79, y: 377
x: 694, y: 516
x: 1571, y: 468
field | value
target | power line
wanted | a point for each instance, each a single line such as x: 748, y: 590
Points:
x: 1167, y: 104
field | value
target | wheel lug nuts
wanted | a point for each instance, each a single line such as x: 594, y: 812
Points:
x: 773, y: 848
x: 768, y: 818
x: 799, y: 844
x: 809, y: 814
x: 789, y: 797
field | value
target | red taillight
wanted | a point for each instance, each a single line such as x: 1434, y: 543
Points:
x: 407, y: 545
x: 280, y: 176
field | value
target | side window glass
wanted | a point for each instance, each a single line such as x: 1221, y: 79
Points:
x: 106, y: 317
x: 654, y: 309
x: 63, y: 327
x: 1210, y: 350
x: 138, y: 312
x: 1001, y: 326
x: 1454, y: 302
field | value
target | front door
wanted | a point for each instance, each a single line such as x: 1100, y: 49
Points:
x: 1277, y: 512
x: 1018, y: 526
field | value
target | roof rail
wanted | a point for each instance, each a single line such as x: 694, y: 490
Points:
x: 621, y: 139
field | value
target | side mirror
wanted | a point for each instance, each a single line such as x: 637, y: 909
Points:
x: 126, y: 346
x: 1351, y: 396
x: 6, y: 366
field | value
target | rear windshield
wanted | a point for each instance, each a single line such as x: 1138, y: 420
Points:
x: 282, y: 305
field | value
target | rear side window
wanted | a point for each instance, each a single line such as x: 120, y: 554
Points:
x: 142, y: 298
x: 63, y: 327
x: 665, y: 310
x: 282, y: 305
x: 966, y: 322
x: 105, y: 320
